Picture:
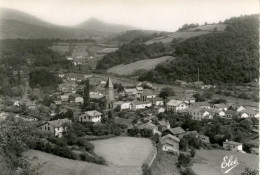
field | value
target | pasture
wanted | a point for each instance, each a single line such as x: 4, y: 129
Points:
x: 209, y: 162
x: 124, y: 151
x: 55, y: 165
x: 128, y: 69
x: 197, y: 31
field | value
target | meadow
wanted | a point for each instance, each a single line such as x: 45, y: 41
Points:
x: 124, y: 151
x: 128, y: 69
x: 209, y: 162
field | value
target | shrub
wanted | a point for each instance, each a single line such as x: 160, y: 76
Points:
x: 184, y: 160
x: 84, y: 142
x: 94, y: 159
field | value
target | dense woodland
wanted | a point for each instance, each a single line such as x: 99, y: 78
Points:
x: 131, y: 52
x: 227, y: 57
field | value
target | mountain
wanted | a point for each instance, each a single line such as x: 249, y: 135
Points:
x: 95, y: 24
x: 17, y: 24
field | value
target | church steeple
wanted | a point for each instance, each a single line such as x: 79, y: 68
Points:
x: 109, y: 92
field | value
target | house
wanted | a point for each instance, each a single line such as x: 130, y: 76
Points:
x: 220, y: 106
x: 204, y: 139
x: 232, y: 146
x: 247, y: 113
x: 17, y: 103
x: 216, y: 112
x: 69, y: 58
x: 76, y: 98
x: 198, y: 84
x: 200, y: 105
x: 64, y: 97
x: 189, y: 133
x: 140, y: 90
x: 150, y: 126
x: 200, y: 114
x: 55, y: 127
x: 30, y: 105
x: 231, y: 113
x: 103, y: 83
x: 130, y: 91
x: 174, y: 131
x: 236, y: 107
x: 163, y: 125
x: 170, y: 143
x: 190, y: 92
x: 57, y: 102
x: 180, y: 82
x: 157, y: 101
x: 123, y: 105
x: 173, y: 106
x: 147, y: 94
x: 188, y: 99
x: 159, y: 109
x: 141, y: 105
x: 90, y: 116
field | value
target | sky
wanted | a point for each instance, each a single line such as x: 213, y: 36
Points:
x: 163, y: 15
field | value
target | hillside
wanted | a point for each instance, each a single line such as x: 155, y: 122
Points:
x: 128, y: 69
x: 183, y: 35
x: 16, y: 24
x: 223, y: 57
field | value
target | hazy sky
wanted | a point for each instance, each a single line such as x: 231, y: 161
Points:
x: 166, y: 15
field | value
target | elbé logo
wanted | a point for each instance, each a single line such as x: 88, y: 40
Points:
x: 229, y: 162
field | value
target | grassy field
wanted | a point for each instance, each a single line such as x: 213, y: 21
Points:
x: 55, y: 165
x: 79, y: 51
x: 210, y: 162
x: 165, y: 164
x: 124, y: 151
x: 148, y: 64
x: 188, y: 33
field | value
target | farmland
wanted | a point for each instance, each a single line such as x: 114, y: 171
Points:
x: 197, y: 31
x: 124, y: 151
x: 209, y: 162
x: 61, y: 166
x: 148, y: 64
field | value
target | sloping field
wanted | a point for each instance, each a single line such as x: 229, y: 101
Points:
x: 127, y: 69
x: 55, y: 165
x: 124, y: 151
x: 201, y: 30
x: 212, y: 160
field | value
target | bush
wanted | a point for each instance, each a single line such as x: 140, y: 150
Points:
x: 57, y: 141
x: 94, y: 159
x: 84, y: 142
x: 184, y: 160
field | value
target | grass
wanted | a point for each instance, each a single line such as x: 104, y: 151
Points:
x: 55, y: 165
x: 62, y: 49
x: 124, y: 151
x: 210, y: 162
x: 148, y: 64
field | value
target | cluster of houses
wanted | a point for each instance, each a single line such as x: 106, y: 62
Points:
x: 149, y: 99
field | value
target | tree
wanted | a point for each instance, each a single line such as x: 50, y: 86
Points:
x: 86, y: 97
x: 165, y: 93
x: 146, y: 170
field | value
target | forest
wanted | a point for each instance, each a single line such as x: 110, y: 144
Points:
x: 222, y: 57
x: 132, y: 52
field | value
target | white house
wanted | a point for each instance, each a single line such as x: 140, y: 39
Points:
x: 248, y: 113
x: 174, y: 106
x: 233, y: 146
x: 55, y: 127
x: 150, y: 126
x: 64, y: 97
x: 140, y: 90
x: 157, y: 101
x: 123, y: 105
x: 141, y: 105
x: 90, y: 116
x: 199, y: 114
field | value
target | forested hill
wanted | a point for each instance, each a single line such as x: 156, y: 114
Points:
x: 227, y: 57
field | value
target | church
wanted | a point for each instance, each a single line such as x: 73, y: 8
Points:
x: 109, y: 94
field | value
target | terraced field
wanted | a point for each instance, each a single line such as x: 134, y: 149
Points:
x: 165, y: 164
x: 127, y: 69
